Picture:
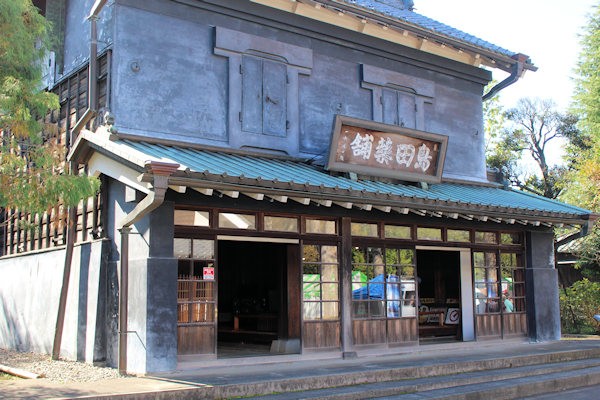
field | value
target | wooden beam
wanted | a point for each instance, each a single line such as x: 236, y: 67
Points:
x: 344, y: 204
x: 281, y: 199
x: 326, y: 203
x: 178, y: 189
x: 422, y: 213
x: 204, y: 191
x: 234, y: 194
x: 385, y: 209
x: 255, y: 196
x: 302, y: 200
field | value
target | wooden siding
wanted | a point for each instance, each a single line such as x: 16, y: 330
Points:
x: 402, y: 330
x: 26, y: 232
x: 321, y: 334
x: 489, y: 326
x: 515, y: 324
x: 369, y: 331
x: 196, y: 339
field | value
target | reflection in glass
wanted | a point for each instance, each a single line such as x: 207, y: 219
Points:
x: 330, y: 310
x: 455, y: 235
x: 510, y: 238
x: 429, y: 233
x: 204, y: 249
x: 398, y: 232
x: 237, y: 221
x: 320, y: 226
x: 191, y: 218
x: 364, y: 229
x: 486, y: 237
x: 182, y: 248
x: 281, y: 224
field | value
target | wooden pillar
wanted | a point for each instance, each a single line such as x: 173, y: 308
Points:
x: 346, y: 290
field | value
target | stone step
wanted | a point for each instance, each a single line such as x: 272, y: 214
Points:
x: 518, y: 388
x: 465, y: 385
x: 369, y: 377
x: 318, y: 378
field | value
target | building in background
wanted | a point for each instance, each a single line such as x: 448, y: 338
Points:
x: 279, y: 177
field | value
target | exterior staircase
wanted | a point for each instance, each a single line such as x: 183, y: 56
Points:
x: 470, y: 371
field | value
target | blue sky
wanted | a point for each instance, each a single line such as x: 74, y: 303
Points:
x: 546, y: 30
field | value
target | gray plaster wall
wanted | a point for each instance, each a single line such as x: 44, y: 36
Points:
x: 30, y: 288
x: 170, y: 81
x: 543, y: 309
x: 152, y: 311
x: 77, y: 27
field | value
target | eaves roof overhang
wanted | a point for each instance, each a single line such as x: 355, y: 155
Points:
x: 379, y: 20
x: 283, y: 179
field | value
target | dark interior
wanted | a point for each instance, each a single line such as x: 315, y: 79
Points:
x: 251, y: 287
x: 439, y: 294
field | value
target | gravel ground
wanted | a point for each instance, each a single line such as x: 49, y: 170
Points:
x: 56, y: 371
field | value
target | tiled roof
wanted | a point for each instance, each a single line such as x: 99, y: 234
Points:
x: 426, y: 23
x: 269, y: 172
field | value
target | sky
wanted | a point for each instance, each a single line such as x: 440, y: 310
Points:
x: 546, y: 30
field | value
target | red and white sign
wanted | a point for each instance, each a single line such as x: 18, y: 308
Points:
x: 208, y: 273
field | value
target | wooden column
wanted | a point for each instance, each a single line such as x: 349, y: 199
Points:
x: 346, y: 289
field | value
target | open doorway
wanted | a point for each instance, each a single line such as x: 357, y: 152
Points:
x: 253, y: 309
x: 439, y: 278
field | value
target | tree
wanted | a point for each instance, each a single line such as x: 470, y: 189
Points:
x: 33, y: 174
x: 584, y: 154
x: 585, y: 178
x: 528, y: 128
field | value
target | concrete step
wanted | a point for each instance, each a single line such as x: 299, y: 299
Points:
x: 524, y: 381
x: 317, y: 378
x: 384, y: 376
x: 519, y: 388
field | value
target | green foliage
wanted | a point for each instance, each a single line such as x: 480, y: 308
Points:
x: 584, y: 188
x: 589, y: 256
x: 587, y: 82
x: 578, y: 305
x: 32, y: 175
x: 584, y: 151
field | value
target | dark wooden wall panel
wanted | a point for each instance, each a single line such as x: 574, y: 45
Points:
x: 402, y: 330
x: 369, y: 331
x: 515, y: 324
x: 489, y: 326
x: 198, y: 339
x: 322, y: 334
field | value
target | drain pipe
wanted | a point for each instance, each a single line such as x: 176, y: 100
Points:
x: 161, y: 172
x: 89, y: 113
x: 518, y: 69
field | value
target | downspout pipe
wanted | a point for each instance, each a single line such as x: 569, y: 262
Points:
x: 89, y: 113
x: 161, y: 172
x: 518, y: 69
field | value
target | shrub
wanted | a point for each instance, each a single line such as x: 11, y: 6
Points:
x: 578, y: 305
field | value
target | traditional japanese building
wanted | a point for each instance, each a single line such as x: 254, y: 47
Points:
x: 280, y: 176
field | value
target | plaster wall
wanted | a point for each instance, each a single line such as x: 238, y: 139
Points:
x: 152, y: 311
x: 77, y: 37
x: 543, y: 309
x: 30, y: 288
x: 169, y: 82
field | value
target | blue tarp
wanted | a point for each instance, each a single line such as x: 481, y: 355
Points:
x: 374, y: 289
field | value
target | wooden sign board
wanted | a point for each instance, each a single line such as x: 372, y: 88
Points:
x: 376, y: 149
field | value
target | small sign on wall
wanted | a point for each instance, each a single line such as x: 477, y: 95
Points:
x: 376, y: 149
x: 208, y: 273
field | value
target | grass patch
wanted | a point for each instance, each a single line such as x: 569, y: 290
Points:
x: 7, y: 377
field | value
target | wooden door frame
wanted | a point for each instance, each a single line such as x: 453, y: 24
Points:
x: 466, y: 288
